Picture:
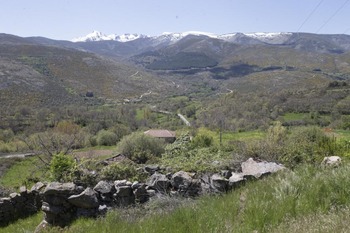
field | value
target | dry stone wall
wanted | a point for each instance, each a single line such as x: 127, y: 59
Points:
x: 64, y: 202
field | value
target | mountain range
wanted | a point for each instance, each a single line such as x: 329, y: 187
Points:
x: 37, y: 71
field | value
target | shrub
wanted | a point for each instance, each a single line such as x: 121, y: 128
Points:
x: 6, y: 135
x: 62, y: 167
x: 120, y: 171
x: 106, y: 138
x: 139, y: 147
x: 202, y: 140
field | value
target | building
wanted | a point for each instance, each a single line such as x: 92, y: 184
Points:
x: 167, y: 135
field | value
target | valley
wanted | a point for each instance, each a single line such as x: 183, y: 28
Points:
x: 82, y: 107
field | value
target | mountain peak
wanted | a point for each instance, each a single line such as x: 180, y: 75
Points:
x: 99, y: 36
x: 172, y: 37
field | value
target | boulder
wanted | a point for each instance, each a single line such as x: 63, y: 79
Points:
x: 38, y: 187
x: 332, y: 161
x: 181, y: 179
x: 104, y: 187
x: 258, y: 169
x: 185, y: 185
x: 86, y: 200
x: 140, y: 193
x: 62, y: 189
x: 219, y: 183
x: 235, y: 180
x: 158, y: 182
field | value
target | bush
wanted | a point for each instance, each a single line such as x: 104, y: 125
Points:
x: 139, y: 147
x: 62, y: 167
x: 119, y: 171
x: 106, y: 138
x: 202, y: 140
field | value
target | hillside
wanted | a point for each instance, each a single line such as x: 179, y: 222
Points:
x: 234, y: 74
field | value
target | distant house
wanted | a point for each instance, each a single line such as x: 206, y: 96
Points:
x: 167, y: 135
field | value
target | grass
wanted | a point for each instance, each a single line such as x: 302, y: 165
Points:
x: 309, y: 199
x: 25, y: 172
x: 26, y: 225
x: 293, y: 116
x: 232, y: 136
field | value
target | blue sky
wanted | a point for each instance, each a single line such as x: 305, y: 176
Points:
x: 66, y: 19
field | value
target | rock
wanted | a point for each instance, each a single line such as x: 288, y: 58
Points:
x: 151, y: 169
x: 236, y: 179
x: 39, y: 186
x: 333, y: 161
x: 219, y: 183
x: 120, y: 183
x: 23, y: 190
x: 226, y: 173
x: 63, y: 189
x: 183, y: 183
x: 182, y: 179
x: 104, y: 187
x: 135, y: 185
x: 205, y: 184
x: 41, y: 227
x: 140, y: 193
x: 151, y: 192
x: 158, y: 182
x: 47, y: 208
x: 124, y: 191
x: 102, y: 209
x: 86, y: 200
x: 82, y: 212
x: 258, y: 169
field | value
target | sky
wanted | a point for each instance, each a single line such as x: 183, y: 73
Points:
x: 68, y: 19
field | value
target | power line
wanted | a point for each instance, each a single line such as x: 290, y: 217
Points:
x: 309, y: 16
x: 330, y: 18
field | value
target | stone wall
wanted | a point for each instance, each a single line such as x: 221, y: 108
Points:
x: 20, y: 205
x: 64, y: 202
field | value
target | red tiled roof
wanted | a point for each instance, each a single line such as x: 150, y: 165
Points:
x: 160, y: 133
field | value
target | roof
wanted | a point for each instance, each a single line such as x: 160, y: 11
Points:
x: 160, y: 133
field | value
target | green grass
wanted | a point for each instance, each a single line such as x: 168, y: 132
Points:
x: 304, y: 199
x: 232, y: 136
x: 25, y: 172
x: 26, y: 225
x: 293, y: 116
x: 343, y: 134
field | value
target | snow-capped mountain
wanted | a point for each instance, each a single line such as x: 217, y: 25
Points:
x: 98, y: 36
x: 169, y: 37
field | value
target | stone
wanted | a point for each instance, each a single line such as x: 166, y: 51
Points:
x: 23, y: 190
x: 158, y: 182
x: 219, y: 183
x: 120, y: 183
x: 182, y: 179
x: 104, y: 187
x: 124, y: 191
x: 184, y: 184
x: 236, y: 179
x: 135, y: 185
x: 332, y: 161
x: 63, y: 189
x: 41, y: 227
x: 140, y: 193
x: 55, y: 210
x: 258, y: 169
x: 86, y: 199
x: 226, y: 173
x: 151, y: 169
x: 82, y: 212
x: 39, y: 186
